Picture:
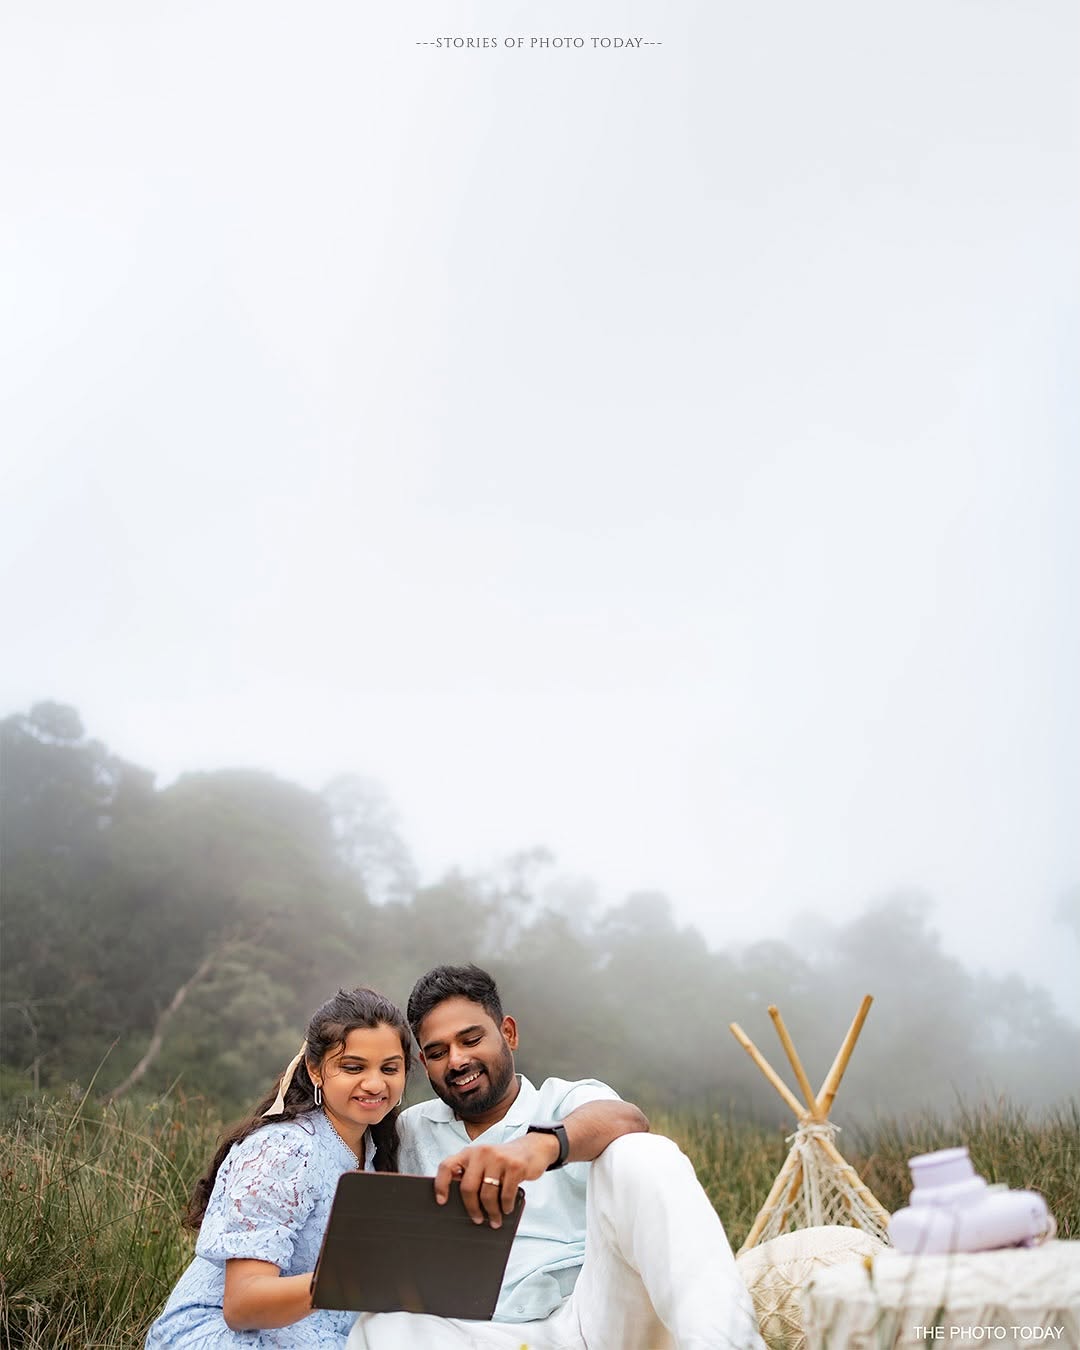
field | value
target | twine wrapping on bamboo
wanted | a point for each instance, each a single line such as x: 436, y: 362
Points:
x: 816, y: 1185
x: 823, y: 1189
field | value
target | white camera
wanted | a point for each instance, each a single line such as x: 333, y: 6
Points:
x: 953, y: 1209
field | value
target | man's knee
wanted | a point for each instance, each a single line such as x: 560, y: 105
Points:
x: 641, y: 1155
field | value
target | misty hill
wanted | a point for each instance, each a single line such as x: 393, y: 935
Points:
x: 193, y: 928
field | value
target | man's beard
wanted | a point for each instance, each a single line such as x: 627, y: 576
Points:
x: 500, y: 1076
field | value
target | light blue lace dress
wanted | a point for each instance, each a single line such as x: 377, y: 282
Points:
x: 271, y: 1202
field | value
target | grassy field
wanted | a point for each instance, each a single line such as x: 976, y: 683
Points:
x: 90, y: 1241
x: 737, y: 1162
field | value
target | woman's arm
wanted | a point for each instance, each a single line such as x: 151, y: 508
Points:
x: 258, y: 1297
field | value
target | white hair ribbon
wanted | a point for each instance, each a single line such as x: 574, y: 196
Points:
x: 278, y: 1104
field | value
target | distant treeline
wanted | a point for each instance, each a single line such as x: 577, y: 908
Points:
x: 192, y: 929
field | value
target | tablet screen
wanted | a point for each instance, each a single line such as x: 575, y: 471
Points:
x: 389, y: 1247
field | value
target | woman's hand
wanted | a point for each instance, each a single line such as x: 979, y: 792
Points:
x: 258, y: 1297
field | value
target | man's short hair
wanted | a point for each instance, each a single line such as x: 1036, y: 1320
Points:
x: 453, y: 982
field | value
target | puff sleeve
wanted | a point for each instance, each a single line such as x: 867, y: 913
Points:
x: 263, y: 1196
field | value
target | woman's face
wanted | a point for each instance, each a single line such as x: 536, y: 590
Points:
x: 362, y: 1081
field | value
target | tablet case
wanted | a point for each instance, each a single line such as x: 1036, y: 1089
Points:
x: 390, y: 1247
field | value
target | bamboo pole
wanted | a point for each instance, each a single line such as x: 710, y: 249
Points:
x: 789, y: 1199
x: 864, y: 1192
x: 794, y: 1060
x: 768, y: 1070
x: 817, y: 1109
x: 827, y: 1095
x: 782, y: 1178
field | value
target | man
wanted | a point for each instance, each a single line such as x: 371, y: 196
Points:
x: 618, y: 1246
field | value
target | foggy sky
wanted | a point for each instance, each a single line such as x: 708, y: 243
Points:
x: 667, y: 455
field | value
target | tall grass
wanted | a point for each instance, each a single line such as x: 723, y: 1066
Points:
x: 1028, y: 1151
x: 737, y: 1162
x: 90, y: 1241
x: 90, y: 1197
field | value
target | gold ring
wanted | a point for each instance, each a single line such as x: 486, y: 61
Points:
x: 492, y: 1181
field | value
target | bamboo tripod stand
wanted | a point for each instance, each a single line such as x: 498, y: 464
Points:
x: 816, y: 1183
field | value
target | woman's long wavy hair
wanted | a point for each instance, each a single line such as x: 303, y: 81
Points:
x: 327, y: 1031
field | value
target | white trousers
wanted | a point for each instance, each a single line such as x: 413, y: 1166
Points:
x: 658, y: 1273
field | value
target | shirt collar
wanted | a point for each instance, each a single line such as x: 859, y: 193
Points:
x: 520, y: 1112
x: 522, y: 1108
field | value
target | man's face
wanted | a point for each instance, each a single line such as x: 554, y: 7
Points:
x: 468, y: 1058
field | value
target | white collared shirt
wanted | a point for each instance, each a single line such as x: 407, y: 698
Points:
x: 550, y: 1243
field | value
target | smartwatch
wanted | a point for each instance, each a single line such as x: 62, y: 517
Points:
x: 559, y: 1131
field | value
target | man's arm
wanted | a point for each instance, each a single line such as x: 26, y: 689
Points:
x: 490, y: 1174
x: 590, y: 1128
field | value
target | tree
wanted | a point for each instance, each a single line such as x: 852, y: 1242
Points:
x: 368, y: 840
x: 59, y: 790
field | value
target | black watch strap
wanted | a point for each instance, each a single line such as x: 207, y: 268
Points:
x: 559, y: 1131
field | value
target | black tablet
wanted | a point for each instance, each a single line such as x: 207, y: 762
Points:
x: 389, y: 1247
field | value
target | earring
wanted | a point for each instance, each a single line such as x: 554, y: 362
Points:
x: 318, y: 1094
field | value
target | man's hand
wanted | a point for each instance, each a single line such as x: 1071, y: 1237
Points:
x: 490, y: 1174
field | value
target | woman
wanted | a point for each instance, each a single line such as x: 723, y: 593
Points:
x: 262, y: 1208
